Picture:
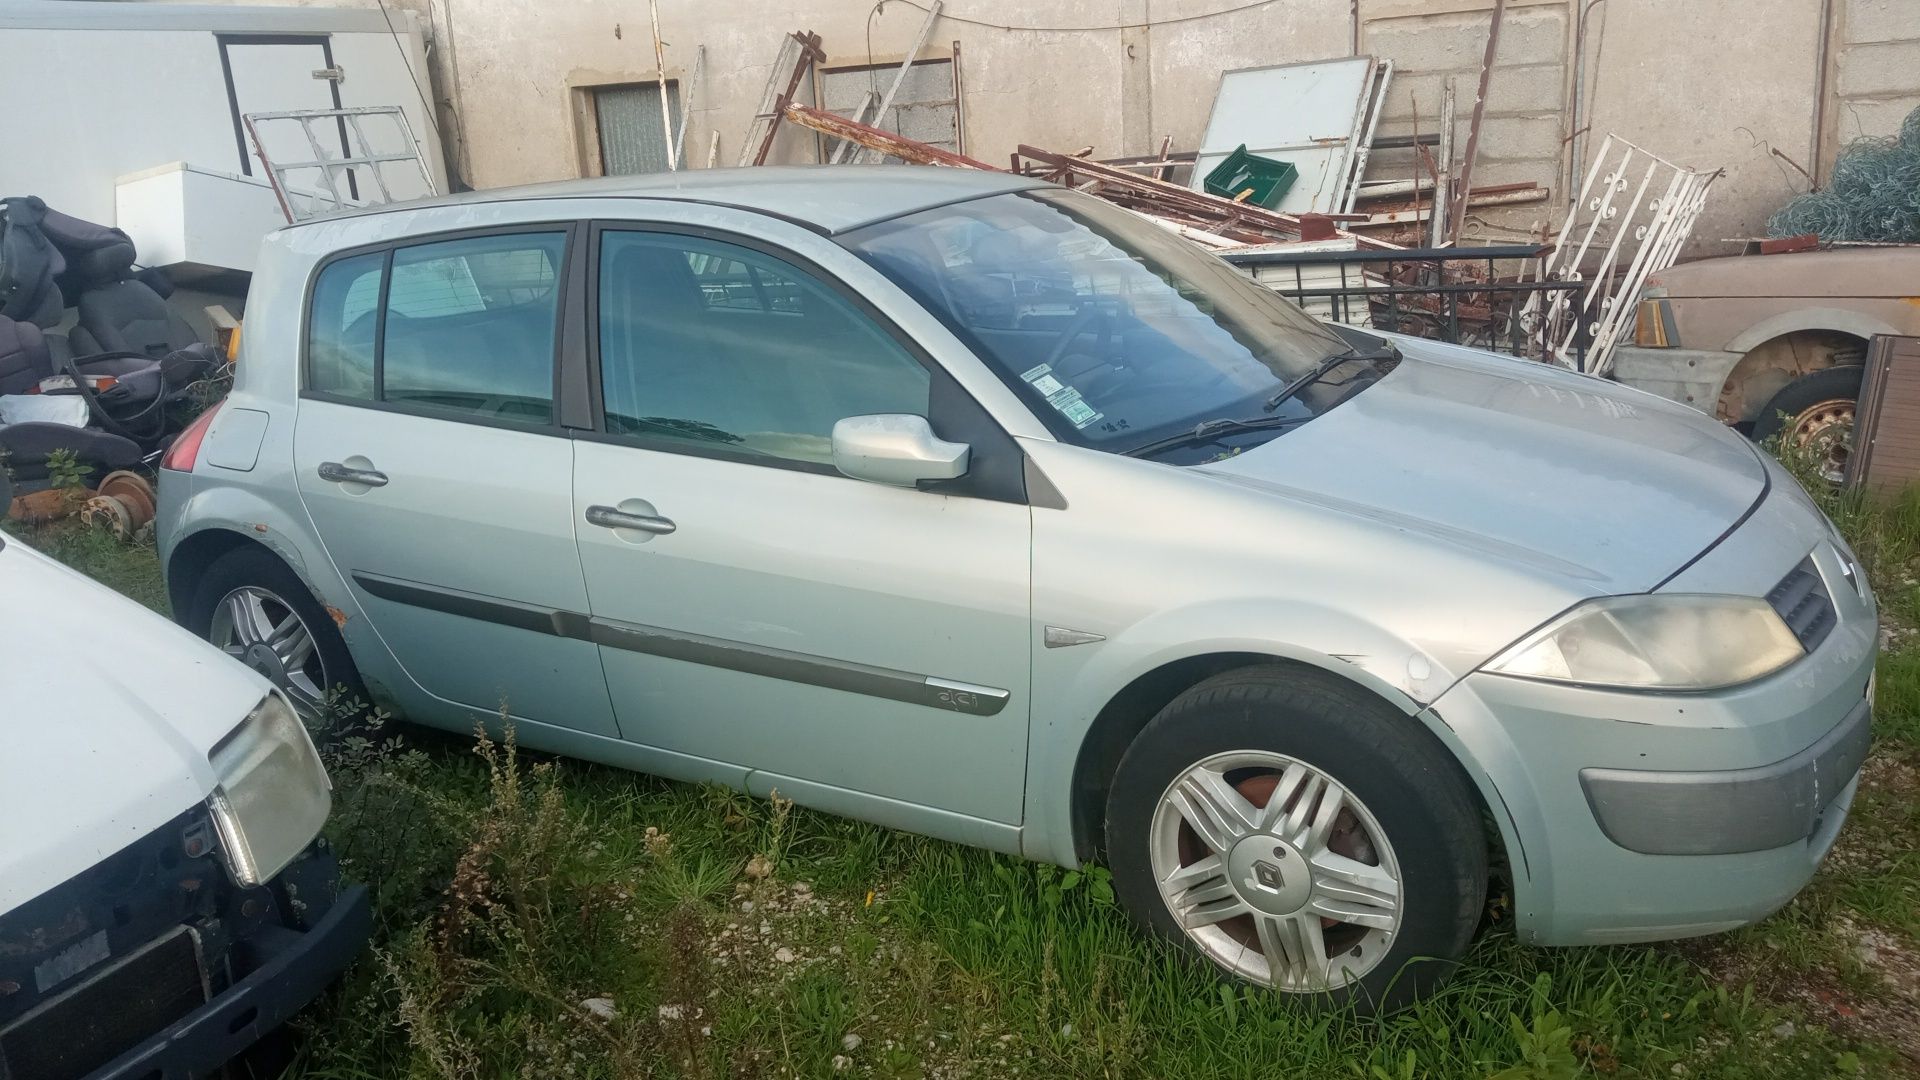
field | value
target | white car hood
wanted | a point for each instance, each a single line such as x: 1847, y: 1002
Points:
x: 107, y: 711
x: 1598, y: 483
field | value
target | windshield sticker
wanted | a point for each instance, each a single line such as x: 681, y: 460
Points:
x: 1077, y: 412
x: 1065, y: 399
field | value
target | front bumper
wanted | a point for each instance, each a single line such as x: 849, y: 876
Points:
x: 1731, y: 812
x: 292, y: 968
x: 1644, y: 816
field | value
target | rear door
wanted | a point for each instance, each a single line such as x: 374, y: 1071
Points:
x: 430, y: 458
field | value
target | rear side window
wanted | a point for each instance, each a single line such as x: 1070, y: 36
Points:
x: 340, y: 332
x: 468, y: 329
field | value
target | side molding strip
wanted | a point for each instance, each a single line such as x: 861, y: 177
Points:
x: 806, y: 668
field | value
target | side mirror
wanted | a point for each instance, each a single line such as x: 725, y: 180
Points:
x: 895, y: 448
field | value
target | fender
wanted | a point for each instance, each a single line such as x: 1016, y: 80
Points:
x: 1845, y: 321
x: 1070, y: 690
x: 243, y: 512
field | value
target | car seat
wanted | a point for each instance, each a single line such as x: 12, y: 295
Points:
x: 119, y: 311
x: 29, y: 265
x: 25, y: 359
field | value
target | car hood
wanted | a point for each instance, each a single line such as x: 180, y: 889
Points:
x: 110, y: 711
x: 1607, y: 487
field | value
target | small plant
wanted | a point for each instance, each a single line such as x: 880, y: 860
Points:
x: 65, y: 473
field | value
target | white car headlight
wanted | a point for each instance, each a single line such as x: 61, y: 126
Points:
x: 272, y: 795
x: 1684, y: 641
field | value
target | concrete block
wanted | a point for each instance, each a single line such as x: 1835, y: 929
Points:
x: 1882, y: 20
x: 1544, y: 173
x: 1519, y: 137
x: 1877, y: 118
x: 1457, y: 41
x: 1536, y: 88
x: 1888, y: 68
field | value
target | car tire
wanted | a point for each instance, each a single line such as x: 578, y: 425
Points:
x: 1808, y: 406
x: 318, y: 676
x: 1401, y: 852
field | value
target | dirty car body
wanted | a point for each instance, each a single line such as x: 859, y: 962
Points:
x: 163, y: 901
x: 978, y: 486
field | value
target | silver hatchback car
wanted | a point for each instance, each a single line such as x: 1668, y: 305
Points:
x: 985, y: 509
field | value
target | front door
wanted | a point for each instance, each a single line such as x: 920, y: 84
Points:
x: 855, y: 645
x: 429, y: 457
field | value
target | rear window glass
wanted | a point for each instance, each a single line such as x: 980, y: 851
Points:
x: 340, y: 332
x: 469, y: 326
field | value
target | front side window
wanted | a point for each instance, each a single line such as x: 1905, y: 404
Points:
x: 1117, y: 332
x: 468, y: 328
x: 713, y: 346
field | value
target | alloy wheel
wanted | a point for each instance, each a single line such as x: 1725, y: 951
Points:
x: 1277, y: 872
x: 262, y: 631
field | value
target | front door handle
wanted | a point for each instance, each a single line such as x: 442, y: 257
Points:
x: 337, y: 473
x: 612, y: 517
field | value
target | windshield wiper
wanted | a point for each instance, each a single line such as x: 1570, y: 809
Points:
x: 1319, y: 371
x: 1207, y: 430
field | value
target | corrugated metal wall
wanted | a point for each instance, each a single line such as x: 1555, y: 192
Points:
x: 631, y: 139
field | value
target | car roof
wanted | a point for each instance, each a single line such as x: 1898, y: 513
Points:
x: 830, y: 198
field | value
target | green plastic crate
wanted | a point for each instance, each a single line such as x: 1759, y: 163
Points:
x: 1268, y: 178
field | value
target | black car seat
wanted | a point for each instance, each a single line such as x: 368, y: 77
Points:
x: 25, y: 359
x: 119, y: 311
x: 29, y: 265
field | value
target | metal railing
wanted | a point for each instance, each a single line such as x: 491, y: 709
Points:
x: 1457, y: 295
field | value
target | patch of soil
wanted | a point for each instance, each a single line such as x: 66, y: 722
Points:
x: 1880, y: 1004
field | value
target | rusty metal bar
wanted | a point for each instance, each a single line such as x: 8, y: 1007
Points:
x: 1457, y: 215
x: 881, y: 141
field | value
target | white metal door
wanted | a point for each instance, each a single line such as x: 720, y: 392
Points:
x: 277, y: 74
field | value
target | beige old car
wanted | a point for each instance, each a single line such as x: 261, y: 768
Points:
x: 1773, y: 343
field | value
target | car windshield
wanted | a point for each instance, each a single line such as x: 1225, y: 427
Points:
x: 1119, y: 333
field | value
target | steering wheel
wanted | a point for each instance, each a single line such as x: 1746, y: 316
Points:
x: 1076, y: 326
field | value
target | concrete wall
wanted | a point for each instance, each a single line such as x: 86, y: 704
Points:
x: 1876, y: 71
x: 1676, y: 80
x: 1432, y: 42
x: 1704, y: 83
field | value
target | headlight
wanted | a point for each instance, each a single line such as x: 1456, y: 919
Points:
x: 1657, y: 642
x: 272, y: 795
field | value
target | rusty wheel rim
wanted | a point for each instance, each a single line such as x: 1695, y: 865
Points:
x: 1275, y: 871
x: 1825, y: 429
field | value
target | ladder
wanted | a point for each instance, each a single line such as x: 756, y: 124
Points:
x: 799, y: 51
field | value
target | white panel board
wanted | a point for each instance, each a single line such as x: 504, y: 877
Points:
x: 182, y: 214
x: 1307, y: 114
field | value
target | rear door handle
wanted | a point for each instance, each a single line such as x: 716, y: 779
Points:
x: 612, y: 517
x: 337, y: 473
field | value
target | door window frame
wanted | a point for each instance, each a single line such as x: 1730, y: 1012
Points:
x: 566, y: 327
x: 996, y: 468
